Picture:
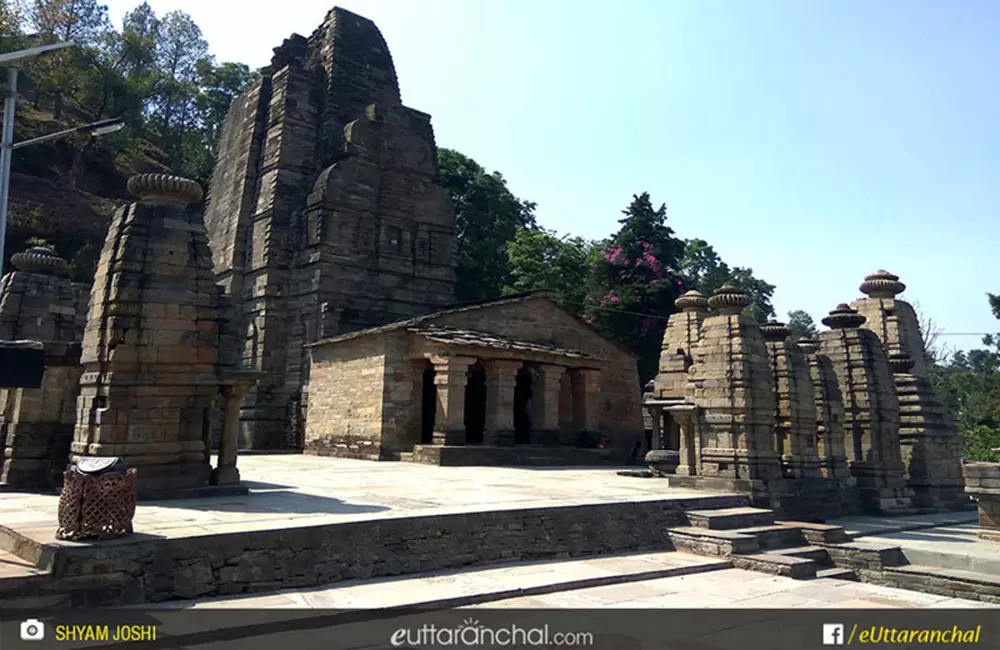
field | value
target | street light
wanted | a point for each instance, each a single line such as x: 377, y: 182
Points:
x: 95, y: 129
x: 13, y: 61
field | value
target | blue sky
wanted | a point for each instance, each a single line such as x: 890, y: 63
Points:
x: 814, y: 141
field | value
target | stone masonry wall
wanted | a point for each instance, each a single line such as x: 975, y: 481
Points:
x: 346, y: 399
x: 982, y: 481
x: 246, y: 562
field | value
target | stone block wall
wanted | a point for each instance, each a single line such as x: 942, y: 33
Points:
x: 346, y: 388
x: 982, y: 482
x: 37, y: 424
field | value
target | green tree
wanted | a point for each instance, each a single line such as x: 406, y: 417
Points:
x: 488, y: 217
x: 802, y: 325
x: 635, y: 281
x: 703, y: 269
x: 540, y: 259
x: 969, y: 385
x: 220, y: 85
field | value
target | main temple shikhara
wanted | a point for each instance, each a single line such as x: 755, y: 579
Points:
x: 819, y: 428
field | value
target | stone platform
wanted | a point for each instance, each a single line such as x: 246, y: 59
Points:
x: 519, y: 455
x: 311, y: 521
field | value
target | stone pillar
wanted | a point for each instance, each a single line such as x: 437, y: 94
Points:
x: 545, y: 404
x: 587, y: 401
x: 150, y: 351
x: 871, y: 412
x: 450, y: 378
x: 226, y: 473
x: 501, y: 377
x: 686, y: 418
x: 656, y: 418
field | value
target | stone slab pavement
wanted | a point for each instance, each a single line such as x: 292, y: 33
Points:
x: 299, y: 490
x: 707, y: 583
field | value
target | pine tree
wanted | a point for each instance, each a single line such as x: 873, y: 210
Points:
x: 636, y: 282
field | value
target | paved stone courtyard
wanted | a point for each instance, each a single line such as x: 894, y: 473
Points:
x: 290, y: 490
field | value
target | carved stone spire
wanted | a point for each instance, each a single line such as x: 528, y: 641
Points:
x: 882, y: 284
x: 727, y: 299
x: 164, y: 188
x: 40, y: 259
x: 775, y: 331
x: 692, y: 301
x: 843, y: 317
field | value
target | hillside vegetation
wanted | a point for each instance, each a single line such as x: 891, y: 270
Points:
x: 155, y: 74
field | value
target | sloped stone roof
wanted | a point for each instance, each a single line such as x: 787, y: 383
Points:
x: 473, y: 338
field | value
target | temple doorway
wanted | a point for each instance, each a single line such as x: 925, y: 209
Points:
x: 475, y: 405
x: 428, y: 406
x: 522, y: 407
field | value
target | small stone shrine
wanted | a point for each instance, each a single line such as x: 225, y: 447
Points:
x: 813, y: 428
x: 871, y: 411
x: 39, y: 303
x: 730, y: 382
x: 931, y: 449
x: 151, y: 356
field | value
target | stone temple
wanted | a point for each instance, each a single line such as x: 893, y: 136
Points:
x: 323, y: 213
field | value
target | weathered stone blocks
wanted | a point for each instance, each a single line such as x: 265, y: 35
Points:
x: 871, y: 411
x: 982, y: 482
x: 150, y: 351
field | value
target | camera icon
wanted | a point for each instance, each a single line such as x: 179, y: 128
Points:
x: 32, y: 630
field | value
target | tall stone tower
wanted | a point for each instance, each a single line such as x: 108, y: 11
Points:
x: 323, y: 212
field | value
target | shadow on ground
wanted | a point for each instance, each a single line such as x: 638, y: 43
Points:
x: 277, y: 501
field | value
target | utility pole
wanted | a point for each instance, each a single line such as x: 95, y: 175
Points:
x: 13, y: 61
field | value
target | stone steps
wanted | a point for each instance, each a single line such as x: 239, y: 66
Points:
x: 775, y: 536
x: 714, y: 543
x: 817, y: 554
x: 730, y: 518
x: 945, y: 582
x: 835, y: 573
x: 819, y: 533
x: 774, y: 564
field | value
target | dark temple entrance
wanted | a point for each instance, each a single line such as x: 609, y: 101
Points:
x: 522, y: 407
x: 428, y: 406
x: 475, y: 405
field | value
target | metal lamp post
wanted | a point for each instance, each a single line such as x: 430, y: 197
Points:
x: 13, y: 61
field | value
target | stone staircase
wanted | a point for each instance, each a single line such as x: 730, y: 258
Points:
x: 754, y: 541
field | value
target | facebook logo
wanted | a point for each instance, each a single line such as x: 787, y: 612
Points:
x: 833, y: 634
